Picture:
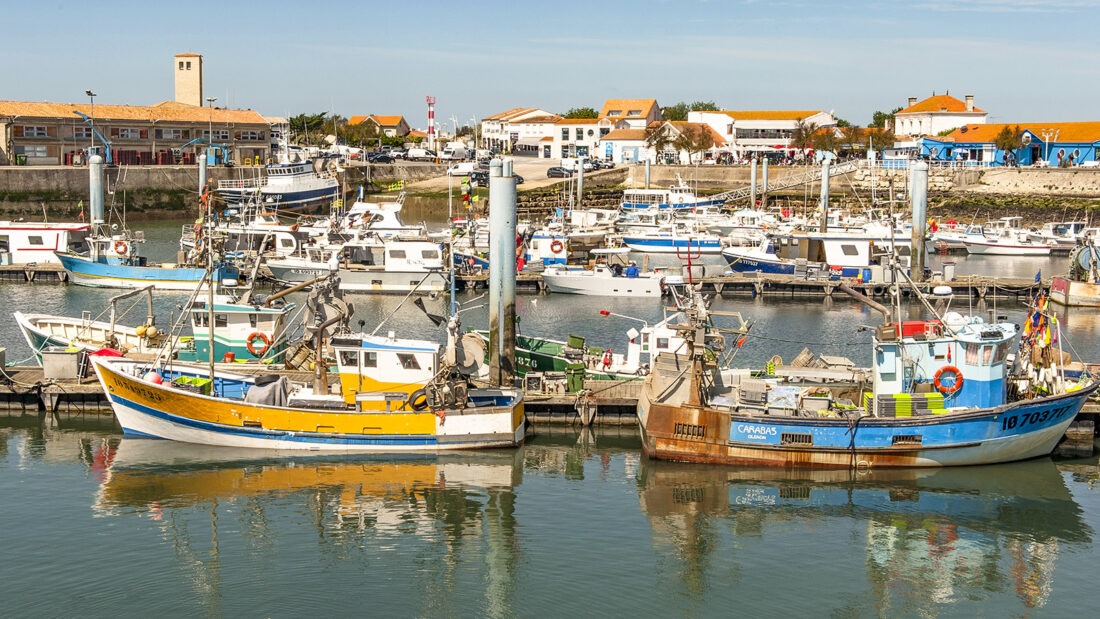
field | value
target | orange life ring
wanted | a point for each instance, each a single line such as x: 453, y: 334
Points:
x: 252, y: 343
x: 121, y: 248
x: 954, y: 386
x: 680, y: 199
x: 556, y: 246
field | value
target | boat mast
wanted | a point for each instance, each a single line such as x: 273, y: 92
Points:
x: 209, y: 226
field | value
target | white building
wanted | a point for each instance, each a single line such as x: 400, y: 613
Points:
x: 937, y: 114
x: 755, y: 132
x: 519, y: 126
x: 581, y: 137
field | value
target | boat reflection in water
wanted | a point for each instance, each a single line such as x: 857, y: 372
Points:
x: 923, y: 539
x: 444, y: 509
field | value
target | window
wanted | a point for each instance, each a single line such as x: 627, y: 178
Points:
x: 972, y: 354
x: 662, y: 343
x: 408, y: 361
x: 219, y: 135
x: 286, y: 242
x: 348, y: 358
x: 129, y: 133
x: 199, y: 318
x: 188, y: 65
x: 181, y: 65
x: 221, y: 320
x: 849, y: 250
x: 590, y: 133
x: 397, y: 253
x: 35, y: 132
x: 565, y: 133
x: 84, y: 133
x: 614, y: 112
x: 634, y: 113
x: 987, y: 355
x: 430, y: 254
x: 252, y: 320
x: 250, y: 136
x: 370, y: 359
x: 172, y: 134
x: 31, y: 151
x: 604, y: 131
x: 35, y: 240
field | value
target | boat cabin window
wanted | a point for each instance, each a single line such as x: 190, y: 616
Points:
x: 370, y: 359
x: 35, y: 240
x: 849, y: 250
x: 397, y: 253
x: 408, y: 361
x: 1002, y: 352
x: 972, y: 353
x: 349, y: 358
x: 662, y: 343
x: 221, y: 320
x: 198, y: 319
x: 284, y: 242
x: 430, y: 254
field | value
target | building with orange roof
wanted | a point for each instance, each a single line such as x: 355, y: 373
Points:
x: 170, y: 132
x: 1064, y: 144
x: 757, y: 133
x: 389, y: 126
x: 517, y: 130
x: 582, y: 137
x: 936, y: 114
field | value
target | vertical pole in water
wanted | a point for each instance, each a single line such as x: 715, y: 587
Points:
x: 580, y: 181
x: 825, y: 195
x: 918, y: 197
x: 752, y: 181
x: 502, y: 273
x: 202, y: 172
x: 95, y: 189
x: 764, y: 189
x: 647, y: 173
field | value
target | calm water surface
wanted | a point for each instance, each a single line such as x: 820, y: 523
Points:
x: 571, y: 524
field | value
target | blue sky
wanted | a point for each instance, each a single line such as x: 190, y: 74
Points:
x: 1024, y: 60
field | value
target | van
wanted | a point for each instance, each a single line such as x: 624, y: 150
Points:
x: 462, y: 169
x: 453, y: 151
x: 420, y: 154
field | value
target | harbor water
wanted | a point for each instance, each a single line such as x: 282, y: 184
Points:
x: 574, y: 523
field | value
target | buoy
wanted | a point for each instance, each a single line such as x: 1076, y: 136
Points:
x: 151, y: 331
x: 153, y: 377
x: 140, y: 331
x: 942, y: 291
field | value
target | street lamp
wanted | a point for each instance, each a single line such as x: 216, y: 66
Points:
x: 210, y: 130
x: 1048, y: 135
x: 91, y: 120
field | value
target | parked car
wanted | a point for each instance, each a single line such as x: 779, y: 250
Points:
x: 397, y: 153
x: 462, y: 169
x: 602, y: 164
x: 558, y: 172
x: 481, y: 177
x: 379, y: 158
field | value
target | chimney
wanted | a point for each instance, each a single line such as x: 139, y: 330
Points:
x: 969, y: 103
x: 912, y: 101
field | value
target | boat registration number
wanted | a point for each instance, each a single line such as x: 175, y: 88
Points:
x: 1011, y: 422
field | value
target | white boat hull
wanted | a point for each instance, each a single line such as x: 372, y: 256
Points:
x: 576, y: 281
x: 1003, y: 249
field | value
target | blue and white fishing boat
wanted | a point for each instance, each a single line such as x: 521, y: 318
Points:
x: 940, y: 392
x: 677, y: 197
x: 675, y: 237
x: 112, y: 259
x: 289, y: 184
x: 843, y: 254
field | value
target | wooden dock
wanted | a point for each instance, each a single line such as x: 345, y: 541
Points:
x: 33, y: 272
x: 789, y: 286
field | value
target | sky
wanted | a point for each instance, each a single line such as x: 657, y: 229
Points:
x: 1023, y: 60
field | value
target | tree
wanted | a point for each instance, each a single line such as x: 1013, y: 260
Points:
x: 581, y: 112
x: 306, y: 127
x: 679, y: 111
x: 658, y: 137
x: 881, y: 138
x: 879, y: 119
x: 802, y: 135
x: 1009, y: 140
x: 695, y: 138
x: 825, y: 141
x: 363, y: 134
x: 840, y: 122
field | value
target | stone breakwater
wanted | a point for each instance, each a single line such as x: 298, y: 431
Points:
x: 962, y: 193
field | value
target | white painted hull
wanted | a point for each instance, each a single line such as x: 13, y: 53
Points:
x: 1074, y: 294
x: 1004, y: 249
x: 598, y: 284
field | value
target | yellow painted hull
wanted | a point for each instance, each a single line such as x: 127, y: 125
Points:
x: 162, y: 411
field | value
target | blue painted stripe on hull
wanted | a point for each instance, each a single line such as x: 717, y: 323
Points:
x: 278, y: 435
